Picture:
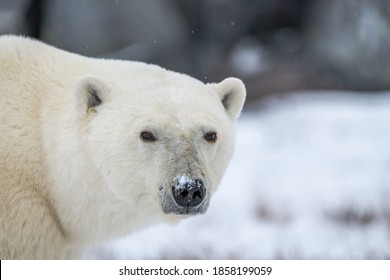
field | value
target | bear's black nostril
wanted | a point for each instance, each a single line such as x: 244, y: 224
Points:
x: 184, y: 194
x: 197, y: 194
x: 188, y: 192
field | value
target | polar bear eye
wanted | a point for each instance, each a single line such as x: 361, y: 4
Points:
x: 211, y: 137
x: 147, y: 136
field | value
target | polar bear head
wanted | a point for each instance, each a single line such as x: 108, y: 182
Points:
x: 162, y: 144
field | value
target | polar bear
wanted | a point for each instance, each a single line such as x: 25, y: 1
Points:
x: 92, y: 149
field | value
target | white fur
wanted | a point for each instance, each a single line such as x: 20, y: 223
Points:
x: 74, y: 172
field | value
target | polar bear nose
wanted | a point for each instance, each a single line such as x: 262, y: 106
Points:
x: 189, y: 192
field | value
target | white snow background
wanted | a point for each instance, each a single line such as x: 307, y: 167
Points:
x: 310, y: 179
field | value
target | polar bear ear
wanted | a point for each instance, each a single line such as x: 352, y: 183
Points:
x: 232, y: 93
x: 90, y: 92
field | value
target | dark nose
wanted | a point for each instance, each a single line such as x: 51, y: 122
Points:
x: 189, y: 193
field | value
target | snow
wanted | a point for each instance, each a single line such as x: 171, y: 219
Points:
x: 183, y: 181
x: 310, y: 179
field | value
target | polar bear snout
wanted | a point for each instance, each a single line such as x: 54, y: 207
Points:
x: 189, y: 192
x: 185, y: 196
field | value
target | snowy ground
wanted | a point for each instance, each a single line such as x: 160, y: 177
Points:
x: 310, y: 179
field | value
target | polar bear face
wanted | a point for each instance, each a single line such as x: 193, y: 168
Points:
x: 163, y: 147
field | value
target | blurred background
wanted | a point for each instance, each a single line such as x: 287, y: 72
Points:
x: 274, y: 46
x: 311, y: 173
